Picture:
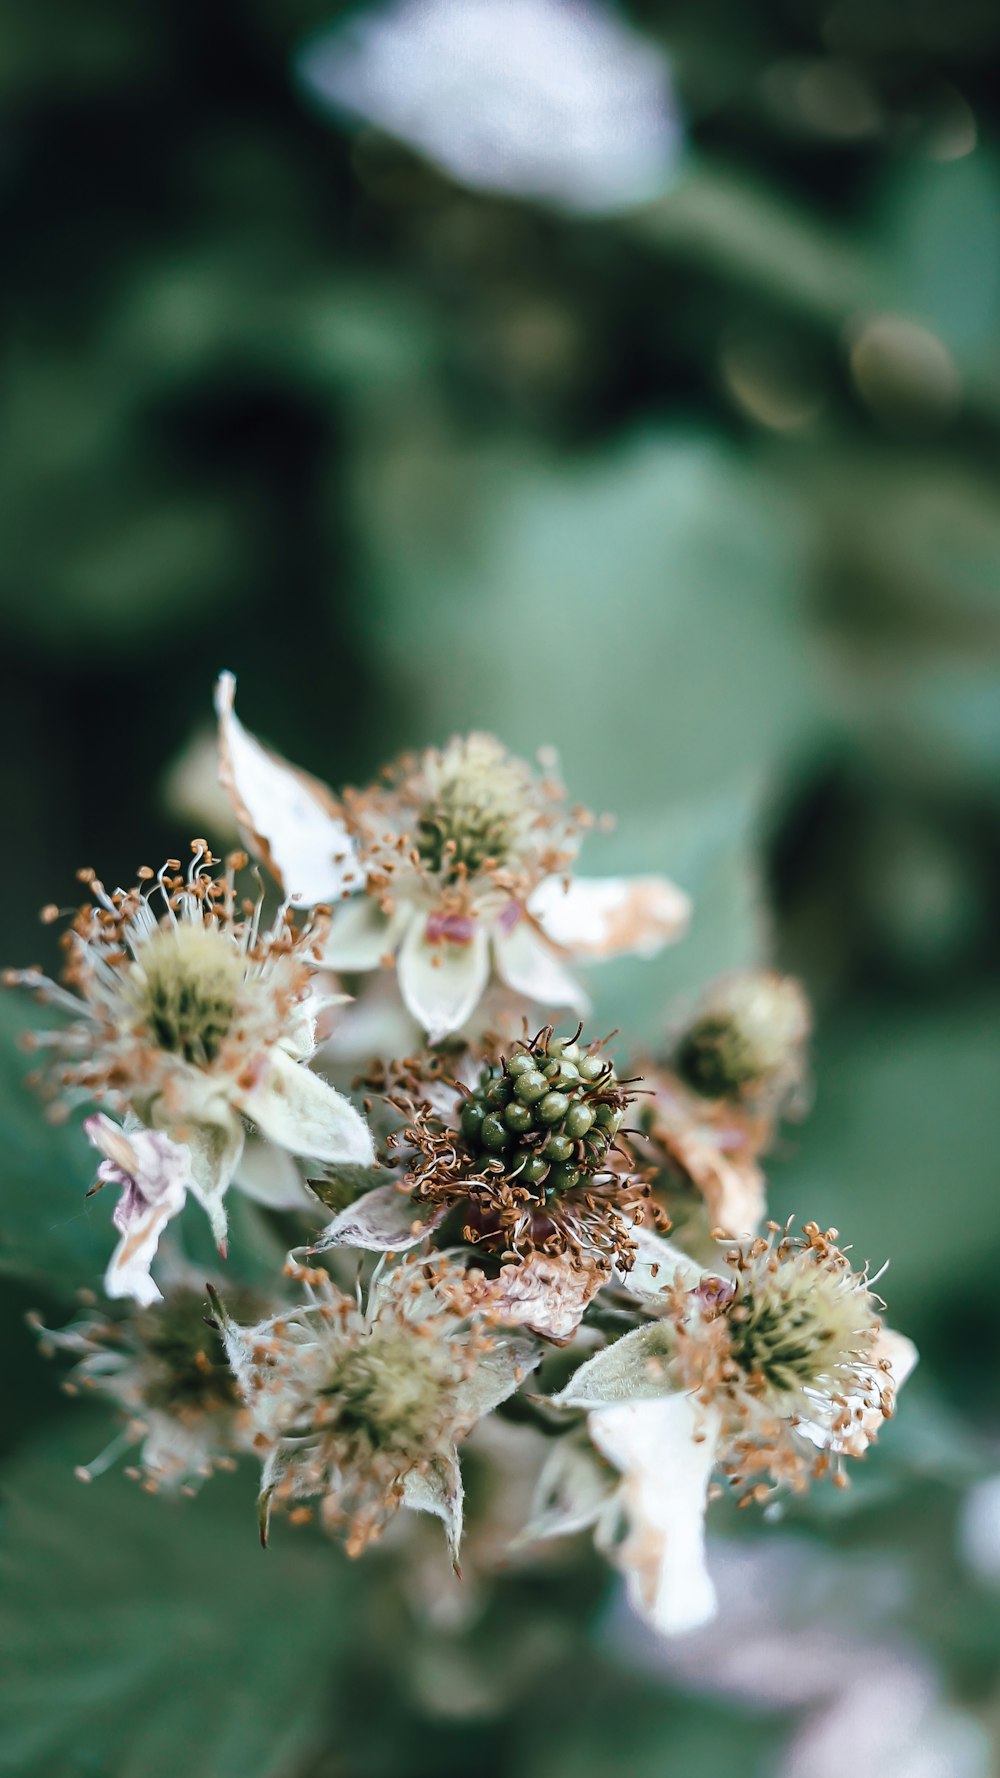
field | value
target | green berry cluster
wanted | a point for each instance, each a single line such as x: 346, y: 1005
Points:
x: 547, y: 1115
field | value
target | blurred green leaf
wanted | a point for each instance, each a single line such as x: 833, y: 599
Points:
x: 152, y: 1638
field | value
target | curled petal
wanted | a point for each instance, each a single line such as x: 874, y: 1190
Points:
x: 611, y: 916
x: 385, y: 1220
x: 665, y: 1451
x: 441, y: 983
x: 303, y: 1113
x: 546, y: 1294
x: 155, y: 1176
x: 530, y: 966
x: 288, y: 819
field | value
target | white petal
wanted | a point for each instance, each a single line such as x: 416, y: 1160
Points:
x: 441, y: 983
x: 658, y: 1266
x: 438, y: 1490
x: 361, y: 935
x: 571, y: 1493
x: 611, y: 916
x: 530, y: 966
x: 666, y: 1453
x: 497, y: 1374
x: 288, y: 819
x: 270, y: 1177
x: 295, y: 1108
x: 385, y: 1220
x: 634, y: 1368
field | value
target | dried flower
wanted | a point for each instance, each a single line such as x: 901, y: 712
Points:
x: 363, y: 1406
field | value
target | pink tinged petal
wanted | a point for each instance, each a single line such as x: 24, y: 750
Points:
x: 442, y: 983
x: 361, y: 935
x: 530, y: 966
x: 545, y: 1294
x: 155, y: 1176
x: 288, y: 819
x: 385, y: 1220
x: 597, y: 917
x: 299, y: 1111
x: 665, y: 1451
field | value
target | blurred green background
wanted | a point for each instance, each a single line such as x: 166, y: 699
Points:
x: 704, y: 492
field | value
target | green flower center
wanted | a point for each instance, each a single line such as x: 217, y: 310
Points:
x: 390, y: 1387
x: 800, y: 1326
x: 473, y: 819
x: 189, y: 978
x: 547, y: 1116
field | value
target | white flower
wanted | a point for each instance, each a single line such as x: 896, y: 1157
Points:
x: 770, y: 1375
x: 188, y: 1018
x: 463, y: 860
x: 555, y: 100
x: 363, y: 1406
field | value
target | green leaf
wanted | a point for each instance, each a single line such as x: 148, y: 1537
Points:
x: 173, y: 1643
x: 48, y: 1227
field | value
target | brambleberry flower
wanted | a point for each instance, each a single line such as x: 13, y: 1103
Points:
x: 187, y: 1017
x: 522, y: 1161
x: 362, y: 1405
x: 165, y: 1370
x: 459, y: 863
x: 770, y: 1374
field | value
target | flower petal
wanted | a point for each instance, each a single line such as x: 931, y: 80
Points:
x: 438, y: 1490
x: 361, y: 934
x: 497, y: 1374
x: 270, y: 1177
x: 441, y: 983
x: 611, y: 916
x: 299, y: 1111
x: 385, y: 1220
x: 545, y: 1293
x: 658, y: 1266
x: 633, y: 1369
x: 530, y: 966
x: 666, y: 1453
x: 571, y: 1493
x: 155, y: 1175
x: 288, y: 819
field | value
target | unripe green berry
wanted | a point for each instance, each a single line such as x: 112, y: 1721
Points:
x: 471, y: 1120
x: 521, y: 1063
x: 531, y: 1087
x: 497, y: 1092
x: 518, y: 1117
x: 558, y: 1148
x: 534, y: 1170
x: 553, y: 1108
x: 592, y: 1067
x: 494, y: 1134
x: 562, y: 1178
x: 579, y: 1119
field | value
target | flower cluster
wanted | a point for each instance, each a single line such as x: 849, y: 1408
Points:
x: 501, y: 1195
